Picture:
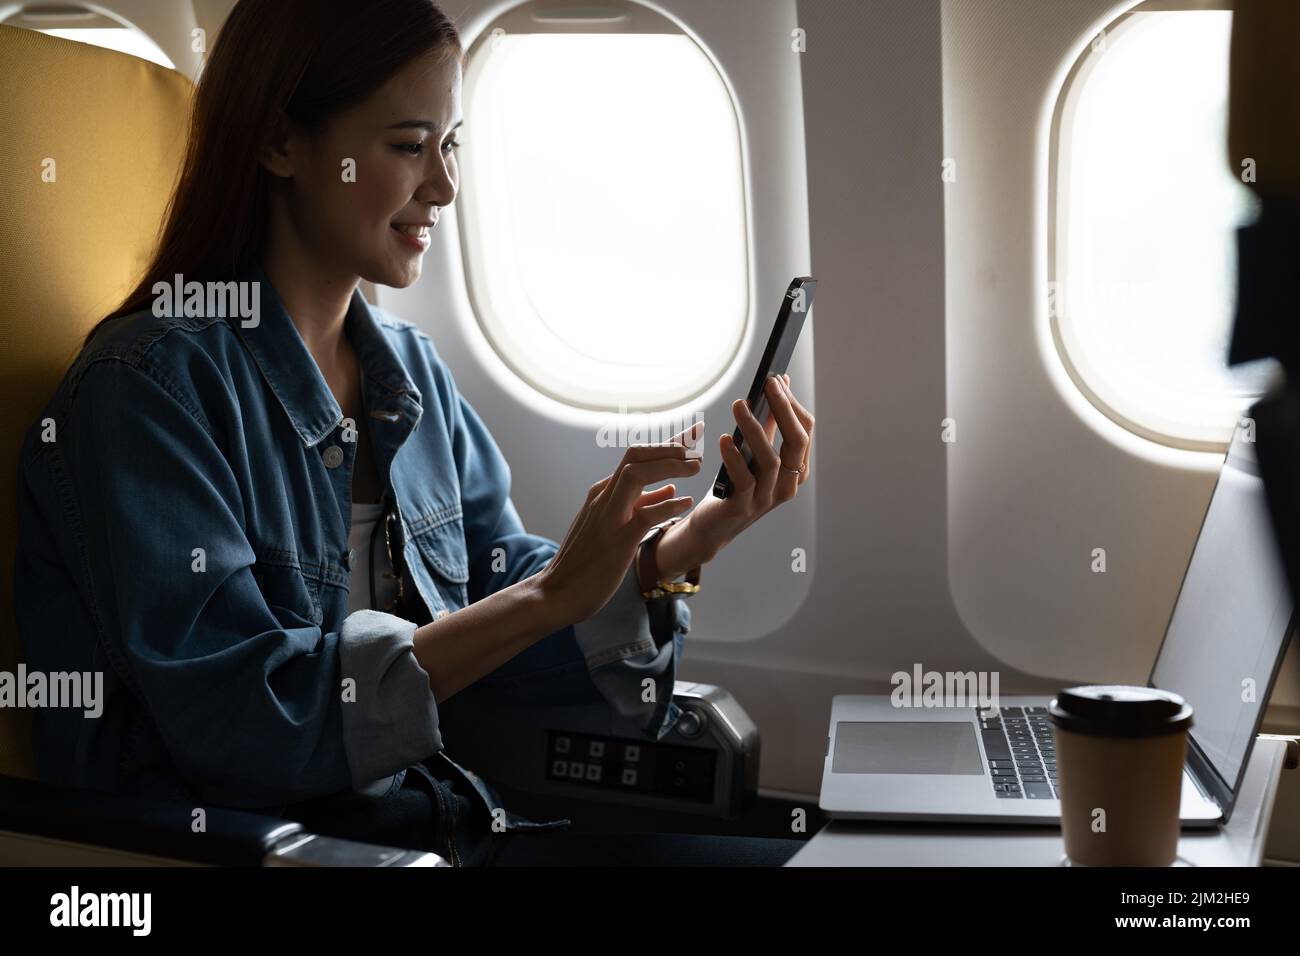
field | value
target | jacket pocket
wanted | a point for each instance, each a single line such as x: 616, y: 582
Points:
x: 442, y: 545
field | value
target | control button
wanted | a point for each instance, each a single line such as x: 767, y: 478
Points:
x: 632, y: 753
x: 575, y: 769
x: 333, y: 456
x: 690, y: 724
x: 629, y: 776
x: 596, y: 749
x: 593, y: 771
x: 352, y: 558
x: 560, y: 768
x: 561, y: 745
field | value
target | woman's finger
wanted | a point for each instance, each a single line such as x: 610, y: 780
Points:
x: 806, y: 417
x: 659, y: 450
x: 755, y: 440
x: 794, y: 440
x: 742, y: 479
x: 769, y: 422
x: 689, y: 439
x: 646, y: 518
x: 656, y: 495
x: 633, y: 478
x: 765, y: 456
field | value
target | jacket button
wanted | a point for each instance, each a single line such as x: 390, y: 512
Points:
x: 333, y: 456
x: 352, y: 558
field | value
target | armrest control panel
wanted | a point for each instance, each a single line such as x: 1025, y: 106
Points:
x: 631, y: 766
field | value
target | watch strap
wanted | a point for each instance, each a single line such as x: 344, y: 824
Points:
x: 647, y: 568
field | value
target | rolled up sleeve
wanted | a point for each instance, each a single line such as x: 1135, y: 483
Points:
x: 633, y: 648
x: 391, y: 718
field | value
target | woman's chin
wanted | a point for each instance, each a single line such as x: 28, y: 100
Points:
x: 396, y: 275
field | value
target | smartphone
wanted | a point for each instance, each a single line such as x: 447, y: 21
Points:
x: 780, y: 346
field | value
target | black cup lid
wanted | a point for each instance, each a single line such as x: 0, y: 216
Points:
x: 1116, y: 710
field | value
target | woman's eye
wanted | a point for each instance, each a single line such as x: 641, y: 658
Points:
x: 415, y: 149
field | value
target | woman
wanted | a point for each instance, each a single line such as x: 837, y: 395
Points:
x: 221, y: 474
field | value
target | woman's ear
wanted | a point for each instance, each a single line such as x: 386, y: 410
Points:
x: 275, y: 155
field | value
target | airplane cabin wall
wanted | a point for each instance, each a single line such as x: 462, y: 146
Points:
x: 1038, y: 477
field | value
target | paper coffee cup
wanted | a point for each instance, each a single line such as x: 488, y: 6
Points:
x: 1119, y: 753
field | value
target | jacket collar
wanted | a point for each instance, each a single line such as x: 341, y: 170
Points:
x: 291, y: 372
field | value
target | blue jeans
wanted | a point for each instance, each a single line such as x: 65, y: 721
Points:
x: 436, y: 815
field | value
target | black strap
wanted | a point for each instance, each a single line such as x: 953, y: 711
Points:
x: 370, y: 554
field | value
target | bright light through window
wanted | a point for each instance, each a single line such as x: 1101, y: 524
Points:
x: 1146, y: 211
x: 123, y: 40
x: 603, y: 214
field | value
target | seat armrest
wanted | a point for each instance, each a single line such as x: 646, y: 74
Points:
x: 707, y: 765
x: 141, y: 825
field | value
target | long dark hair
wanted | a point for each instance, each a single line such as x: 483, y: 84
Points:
x: 309, y: 59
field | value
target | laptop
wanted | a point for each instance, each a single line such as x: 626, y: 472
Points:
x: 997, y: 764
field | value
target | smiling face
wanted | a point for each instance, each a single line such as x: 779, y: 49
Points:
x: 403, y: 141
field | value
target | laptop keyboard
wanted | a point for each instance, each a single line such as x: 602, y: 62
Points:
x: 1021, y: 752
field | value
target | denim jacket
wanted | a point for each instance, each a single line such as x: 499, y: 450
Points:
x: 184, y: 508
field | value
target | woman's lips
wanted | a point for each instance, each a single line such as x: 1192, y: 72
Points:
x: 419, y: 241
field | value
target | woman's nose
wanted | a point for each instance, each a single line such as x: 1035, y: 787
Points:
x: 439, y: 189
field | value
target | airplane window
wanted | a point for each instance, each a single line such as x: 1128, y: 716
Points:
x: 88, y: 26
x: 1145, y: 207
x: 602, y: 213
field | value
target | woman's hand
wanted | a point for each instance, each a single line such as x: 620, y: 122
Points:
x: 716, y: 521
x: 601, y: 542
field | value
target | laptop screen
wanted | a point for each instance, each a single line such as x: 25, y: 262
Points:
x: 1232, y: 619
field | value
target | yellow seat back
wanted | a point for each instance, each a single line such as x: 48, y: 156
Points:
x: 91, y: 142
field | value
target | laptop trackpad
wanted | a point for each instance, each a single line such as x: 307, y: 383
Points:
x: 906, y: 747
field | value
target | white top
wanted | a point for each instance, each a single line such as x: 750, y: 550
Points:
x: 364, y: 518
